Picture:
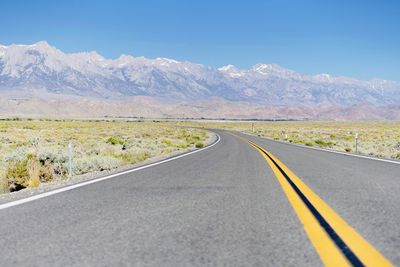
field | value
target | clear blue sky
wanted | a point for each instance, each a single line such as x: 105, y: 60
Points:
x: 353, y: 38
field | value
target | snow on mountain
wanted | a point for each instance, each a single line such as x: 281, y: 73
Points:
x: 231, y: 71
x: 228, y: 68
x: 42, y: 67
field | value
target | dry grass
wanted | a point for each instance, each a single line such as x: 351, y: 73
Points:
x: 379, y: 139
x: 40, y: 146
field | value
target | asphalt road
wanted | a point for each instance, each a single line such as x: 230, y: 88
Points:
x: 220, y: 206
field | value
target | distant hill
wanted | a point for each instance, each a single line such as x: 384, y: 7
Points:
x: 40, y: 80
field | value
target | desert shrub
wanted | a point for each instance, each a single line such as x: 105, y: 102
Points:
x: 28, y: 127
x: 397, y: 146
x: 131, y: 143
x: 166, y: 151
x: 46, y: 172
x: 59, y: 169
x: 322, y: 143
x: 18, y: 154
x: 130, y: 157
x: 134, y: 157
x: 51, y: 154
x: 348, y: 138
x: 114, y: 141
x: 347, y: 149
x: 199, y: 144
x: 167, y: 142
x: 94, y: 150
x: 183, y: 133
x: 17, y: 175
x: 309, y: 143
x: 193, y: 139
x: 34, y: 182
x: 29, y: 172
x: 126, y: 157
x: 182, y: 145
x: 398, y: 156
x: 143, y: 156
x: 203, y: 134
x: 90, y: 164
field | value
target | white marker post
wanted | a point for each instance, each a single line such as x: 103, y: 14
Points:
x: 356, y: 140
x: 70, y: 158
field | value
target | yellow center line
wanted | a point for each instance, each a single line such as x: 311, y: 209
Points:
x: 328, y: 251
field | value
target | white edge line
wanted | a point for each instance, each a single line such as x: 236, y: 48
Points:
x: 67, y: 188
x: 323, y: 149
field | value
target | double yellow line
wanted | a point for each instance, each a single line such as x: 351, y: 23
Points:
x: 336, y: 242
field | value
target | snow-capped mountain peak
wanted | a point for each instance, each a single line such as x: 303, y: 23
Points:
x: 228, y: 68
x: 323, y: 77
x: 42, y: 44
x: 92, y: 56
x: 123, y: 60
x: 166, y: 61
x: 42, y: 66
x: 265, y: 69
x: 231, y: 70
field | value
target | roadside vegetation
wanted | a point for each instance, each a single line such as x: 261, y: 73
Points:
x: 35, y: 151
x: 378, y: 139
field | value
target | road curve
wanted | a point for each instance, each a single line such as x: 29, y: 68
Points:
x: 221, y: 206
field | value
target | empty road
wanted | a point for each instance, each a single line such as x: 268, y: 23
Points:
x: 237, y: 203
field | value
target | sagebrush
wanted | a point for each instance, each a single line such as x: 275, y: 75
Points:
x: 35, y: 151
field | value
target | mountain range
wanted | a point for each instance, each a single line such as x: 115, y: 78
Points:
x: 40, y: 80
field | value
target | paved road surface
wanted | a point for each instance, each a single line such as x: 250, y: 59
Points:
x: 221, y: 206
